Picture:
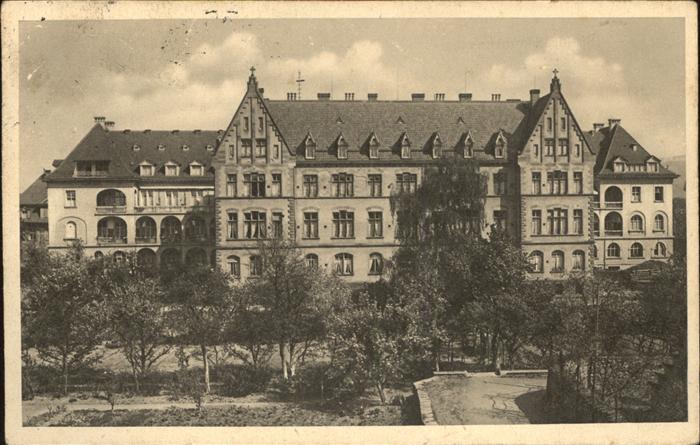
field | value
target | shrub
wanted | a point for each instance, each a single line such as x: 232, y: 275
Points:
x: 320, y: 381
x: 239, y: 381
x: 188, y: 383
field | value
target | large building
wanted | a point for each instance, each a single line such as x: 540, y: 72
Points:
x: 34, y: 206
x: 321, y: 172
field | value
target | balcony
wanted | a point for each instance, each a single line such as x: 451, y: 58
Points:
x: 174, y: 209
x: 170, y: 238
x: 607, y: 205
x: 102, y: 240
x: 613, y: 232
x: 146, y: 240
x: 110, y: 210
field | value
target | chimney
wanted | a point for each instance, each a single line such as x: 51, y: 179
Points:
x: 291, y: 96
x: 372, y: 97
x: 100, y: 120
x: 612, y: 122
x: 465, y: 97
x: 495, y: 97
x: 417, y: 97
x: 324, y: 96
x: 439, y: 97
x: 534, y: 96
x: 597, y: 126
x: 349, y: 97
x: 109, y: 125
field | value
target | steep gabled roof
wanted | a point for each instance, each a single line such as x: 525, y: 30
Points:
x: 117, y: 148
x: 422, y: 120
x: 35, y: 194
x: 612, y: 143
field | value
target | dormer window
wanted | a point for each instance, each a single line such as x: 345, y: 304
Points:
x: 210, y: 147
x: 437, y: 146
x: 146, y: 169
x: 171, y: 169
x: 468, y: 146
x: 652, y: 165
x: 373, y: 147
x: 309, y: 147
x: 618, y: 166
x: 500, y: 148
x: 185, y: 147
x: 161, y: 147
x: 342, y: 147
x: 196, y: 169
x: 136, y: 147
x: 405, y: 147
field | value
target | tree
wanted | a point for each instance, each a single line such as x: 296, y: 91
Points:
x: 295, y: 299
x: 62, y: 311
x: 200, y: 302
x: 137, y: 317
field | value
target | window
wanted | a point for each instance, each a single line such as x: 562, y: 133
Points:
x: 70, y: 198
x: 579, y: 260
x: 499, y: 183
x: 111, y: 198
x: 652, y: 167
x: 578, y: 221
x: 343, y: 224
x: 197, y: 197
x: 255, y: 184
x: 171, y: 170
x: 636, y: 194
x: 310, y: 186
x: 70, y: 231
x: 277, y: 226
x: 613, y: 224
x: 499, y: 219
x: 119, y: 257
x: 171, y: 198
x: 660, y: 250
x: 145, y: 229
x: 563, y: 147
x: 246, y: 124
x: 376, y: 264
x: 255, y: 225
x: 246, y: 148
x: 276, y: 184
x: 536, y: 262
x: 536, y: 183
x: 260, y: 148
x: 577, y: 150
x: 405, y: 149
x: 578, y: 183
x: 342, y: 184
x: 309, y: 149
x: 557, y: 261
x: 563, y: 123
x: 636, y: 223
x: 276, y: 151
x: 256, y: 266
x: 231, y: 185
x: 146, y: 170
x: 196, y: 170
x: 437, y: 148
x: 343, y: 264
x: 536, y: 150
x: 594, y: 251
x: 343, y: 149
x: 549, y: 147
x: 375, y: 185
x: 659, y: 223
x: 99, y: 255
x: 557, y: 220
x: 468, y: 148
x: 311, y: 225
x: 558, y: 182
x: 613, y: 250
x: 618, y: 166
x: 375, y: 225
x: 537, y: 222
x: 406, y: 182
x: 261, y: 124
x: 232, y: 225
x: 658, y: 194
x: 636, y: 251
x: 111, y: 230
x: 234, y: 266
x: 549, y: 124
x: 311, y: 260
x: 500, y: 148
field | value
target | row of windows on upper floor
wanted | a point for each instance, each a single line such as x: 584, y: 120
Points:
x: 84, y: 169
x: 613, y: 224
x: 557, y: 223
x: 636, y: 251
x: 615, y: 198
x: 557, y: 183
x: 342, y: 185
x: 650, y: 166
x: 558, y: 261
x: 112, y: 198
x: 552, y: 148
x: 343, y: 264
x: 113, y: 230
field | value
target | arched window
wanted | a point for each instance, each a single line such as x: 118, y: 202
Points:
x: 146, y: 258
x: 636, y: 250
x: 596, y: 224
x: 536, y: 262
x: 111, y: 230
x: 613, y: 250
x: 557, y: 261
x: 636, y: 223
x: 196, y: 257
x: 468, y: 146
x: 579, y: 260
x: 119, y: 257
x: 256, y: 266
x: 613, y: 224
x: 145, y: 230
x: 234, y: 265
x: 170, y: 230
x: 376, y: 263
x: 613, y: 197
x: 660, y: 250
x: 311, y: 260
x: 70, y: 231
x: 659, y: 223
x: 195, y: 230
x: 111, y: 198
x: 99, y: 255
x: 309, y: 147
x: 343, y: 264
x: 170, y: 258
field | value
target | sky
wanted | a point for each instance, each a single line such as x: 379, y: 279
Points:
x: 176, y: 74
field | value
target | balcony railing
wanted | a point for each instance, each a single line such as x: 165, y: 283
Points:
x: 145, y: 239
x: 608, y: 205
x: 110, y: 209
x: 169, y: 239
x: 111, y: 240
x: 612, y: 232
x: 173, y: 209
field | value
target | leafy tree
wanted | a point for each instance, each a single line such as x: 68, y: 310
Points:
x: 295, y: 299
x: 250, y: 338
x: 200, y: 302
x: 62, y: 311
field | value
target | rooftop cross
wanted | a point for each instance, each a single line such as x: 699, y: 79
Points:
x: 252, y: 71
x: 555, y: 71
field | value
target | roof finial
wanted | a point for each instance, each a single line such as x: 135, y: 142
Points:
x: 555, y: 71
x: 252, y: 71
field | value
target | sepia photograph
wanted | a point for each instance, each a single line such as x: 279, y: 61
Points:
x: 225, y: 214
